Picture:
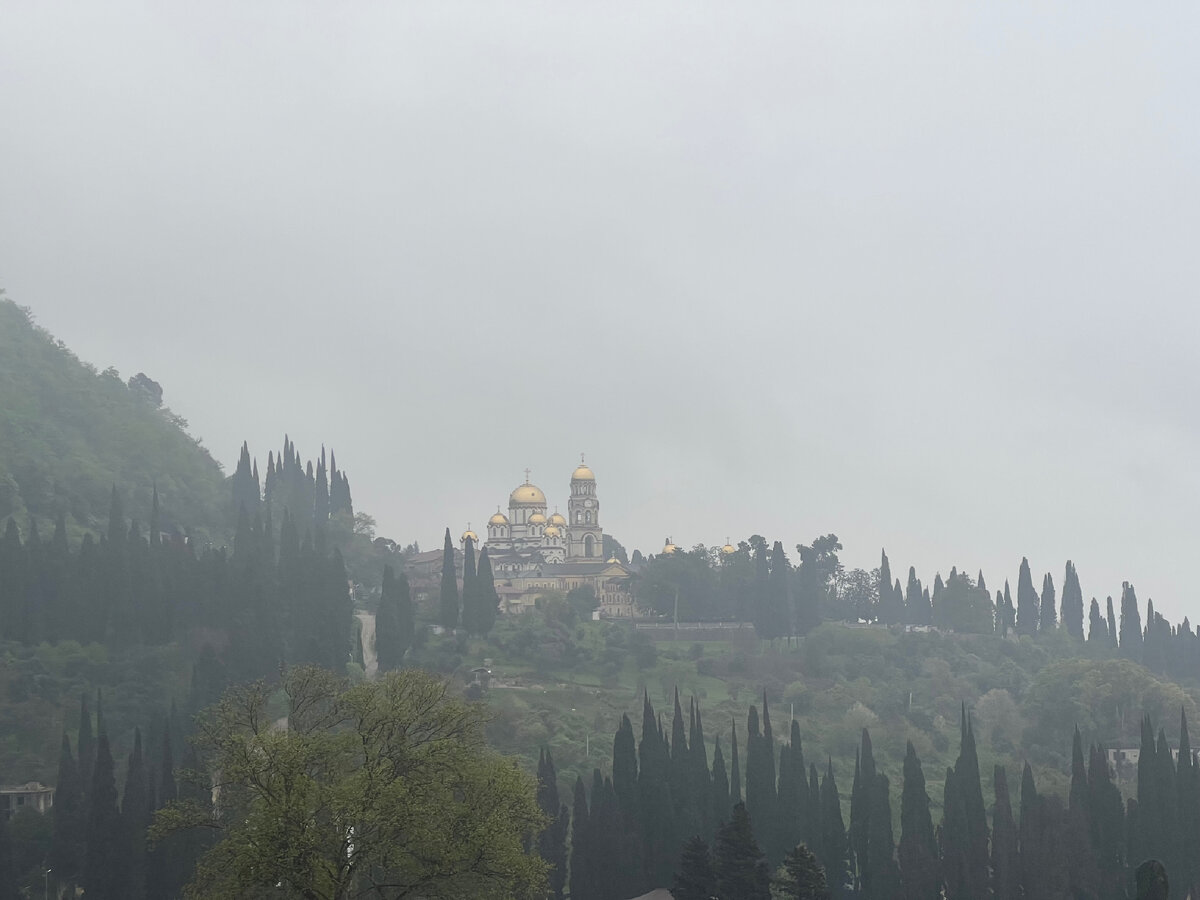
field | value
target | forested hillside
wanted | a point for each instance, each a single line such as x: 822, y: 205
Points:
x: 68, y: 434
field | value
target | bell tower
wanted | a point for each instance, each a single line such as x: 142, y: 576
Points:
x: 585, y: 537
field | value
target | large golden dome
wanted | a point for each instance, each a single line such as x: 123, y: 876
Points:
x: 527, y: 495
x: 582, y: 473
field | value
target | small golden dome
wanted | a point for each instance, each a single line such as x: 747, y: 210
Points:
x: 613, y: 559
x: 537, y: 519
x: 668, y: 548
x: 559, y: 520
x: 498, y: 519
x: 582, y: 473
x: 527, y: 495
x: 469, y: 535
x: 728, y: 548
x: 551, y: 531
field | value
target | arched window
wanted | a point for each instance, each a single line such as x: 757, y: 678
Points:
x: 578, y: 517
x: 589, y: 545
x: 588, y: 517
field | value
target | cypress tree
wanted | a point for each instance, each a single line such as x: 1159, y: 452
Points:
x: 920, y: 875
x: 1006, y: 862
x: 740, y: 866
x: 654, y: 800
x: 834, y: 841
x: 1010, y: 613
x: 891, y: 601
x: 552, y: 842
x: 721, y: 802
x: 685, y: 819
x: 1081, y: 860
x: 1072, y: 603
x: 448, y: 603
x: 9, y: 877
x: 1112, y: 625
x: 735, y: 771
x: 955, y: 840
x: 70, y: 819
x: 1030, y: 836
x: 394, y: 625
x: 814, y: 836
x: 136, y: 812
x: 489, y: 602
x: 699, y: 779
x: 695, y: 879
x: 1097, y: 627
x: 582, y: 877
x: 87, y: 747
x: 472, y: 602
x: 861, y: 808
x: 1167, y: 792
x: 1187, y: 779
x: 1145, y: 840
x: 1027, y: 601
x: 884, y: 876
x: 1049, y: 618
x: 629, y: 839
x: 760, y: 780
x: 1131, y: 625
x: 967, y: 782
x: 106, y: 862
x: 1108, y: 827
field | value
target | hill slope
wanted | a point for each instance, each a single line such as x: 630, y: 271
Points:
x: 69, y: 433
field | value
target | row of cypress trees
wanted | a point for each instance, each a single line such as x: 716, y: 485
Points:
x: 663, y: 807
x: 476, y: 610
x: 100, y: 840
x: 314, y: 495
x: 277, y: 597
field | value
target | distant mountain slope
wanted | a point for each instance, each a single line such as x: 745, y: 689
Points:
x: 69, y: 433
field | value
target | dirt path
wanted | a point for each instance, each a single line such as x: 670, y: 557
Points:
x: 370, y: 660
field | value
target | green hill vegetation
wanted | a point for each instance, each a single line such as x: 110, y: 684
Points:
x: 69, y: 433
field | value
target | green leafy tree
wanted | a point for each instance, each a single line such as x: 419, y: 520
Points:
x: 381, y: 789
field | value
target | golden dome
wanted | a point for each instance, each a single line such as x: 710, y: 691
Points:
x: 498, y: 519
x: 469, y: 535
x: 551, y: 531
x: 527, y: 495
x: 668, y: 548
x: 559, y: 520
x: 728, y: 548
x: 582, y: 473
x: 613, y: 559
x: 537, y: 519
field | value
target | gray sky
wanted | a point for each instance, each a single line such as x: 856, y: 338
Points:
x: 922, y: 275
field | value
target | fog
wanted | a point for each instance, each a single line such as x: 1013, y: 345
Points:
x: 918, y: 274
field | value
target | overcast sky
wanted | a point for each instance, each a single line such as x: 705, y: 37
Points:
x: 922, y: 275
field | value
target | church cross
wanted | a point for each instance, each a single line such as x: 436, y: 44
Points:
x: 527, y: 476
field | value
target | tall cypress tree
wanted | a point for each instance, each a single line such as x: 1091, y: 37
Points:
x: 9, y: 877
x: 448, y: 602
x: 721, y: 803
x: 1081, y: 859
x: 1030, y: 836
x: 967, y: 779
x: 1108, y: 826
x: 891, y: 603
x: 394, y: 626
x: 699, y: 779
x: 884, y: 875
x: 834, y: 840
x: 136, y: 812
x: 629, y: 839
x: 654, y: 799
x: 472, y: 602
x: 954, y: 840
x: 735, y: 771
x: 1049, y: 617
x: 1027, y: 601
x: 106, y: 862
x: 1131, y: 625
x: 87, y: 747
x: 920, y: 874
x: 1072, y: 603
x: 861, y: 808
x: 582, y: 878
x: 1097, y: 627
x: 760, y: 782
x: 740, y: 865
x: 489, y: 602
x: 1006, y: 873
x: 70, y: 819
x: 552, y: 842
x: 1112, y: 624
x: 1187, y: 780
